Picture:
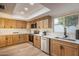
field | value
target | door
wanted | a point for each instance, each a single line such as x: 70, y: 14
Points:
x: 2, y: 41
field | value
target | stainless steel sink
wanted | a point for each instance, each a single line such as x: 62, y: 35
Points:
x: 65, y: 38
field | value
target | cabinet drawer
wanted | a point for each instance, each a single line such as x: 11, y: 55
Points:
x: 56, y: 41
x: 69, y: 44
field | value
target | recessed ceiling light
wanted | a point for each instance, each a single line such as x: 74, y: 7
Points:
x: 26, y: 9
x: 22, y: 12
x: 31, y: 3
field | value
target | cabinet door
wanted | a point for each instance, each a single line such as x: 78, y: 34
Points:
x: 69, y: 51
x: 2, y: 41
x: 37, y: 41
x: 55, y: 48
x: 1, y: 23
x: 45, y: 22
x: 9, y: 23
x: 28, y: 25
x: 18, y: 24
x: 9, y: 40
x: 15, y: 39
x: 41, y: 24
x: 21, y: 38
x: 23, y: 24
x: 26, y: 37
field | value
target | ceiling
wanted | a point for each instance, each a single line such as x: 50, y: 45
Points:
x: 29, y: 11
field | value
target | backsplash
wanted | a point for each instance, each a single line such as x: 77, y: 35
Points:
x: 13, y: 31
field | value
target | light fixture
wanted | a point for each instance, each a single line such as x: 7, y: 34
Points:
x: 22, y: 12
x: 31, y: 3
x: 26, y: 9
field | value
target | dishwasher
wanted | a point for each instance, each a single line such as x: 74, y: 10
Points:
x: 45, y: 44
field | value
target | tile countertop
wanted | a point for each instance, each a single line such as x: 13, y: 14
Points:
x: 76, y: 41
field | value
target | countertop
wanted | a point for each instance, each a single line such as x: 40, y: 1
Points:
x: 76, y: 41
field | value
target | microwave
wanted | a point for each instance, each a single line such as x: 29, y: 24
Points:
x: 34, y: 25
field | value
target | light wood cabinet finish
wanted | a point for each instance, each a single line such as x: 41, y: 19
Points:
x: 23, y: 38
x: 9, y: 23
x: 1, y: 23
x: 62, y: 48
x: 28, y: 26
x: 15, y: 39
x: 2, y: 41
x: 37, y: 41
x: 9, y: 40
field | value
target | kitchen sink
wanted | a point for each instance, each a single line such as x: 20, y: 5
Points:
x: 65, y: 38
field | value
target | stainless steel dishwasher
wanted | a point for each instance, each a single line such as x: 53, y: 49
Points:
x: 45, y: 44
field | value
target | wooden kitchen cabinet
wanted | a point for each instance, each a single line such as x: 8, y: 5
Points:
x: 21, y: 24
x: 2, y: 41
x: 69, y: 51
x: 26, y: 37
x: 1, y: 23
x: 62, y: 48
x: 15, y: 39
x: 41, y: 26
x: 24, y: 23
x: 9, y: 40
x: 37, y: 41
x: 18, y: 24
x: 28, y: 26
x: 9, y: 23
x: 55, y: 48
x: 47, y: 23
x: 23, y: 38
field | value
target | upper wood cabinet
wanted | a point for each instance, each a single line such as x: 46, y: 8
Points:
x: 1, y: 23
x: 47, y: 23
x: 43, y: 23
x: 28, y: 26
x: 62, y: 48
x: 2, y: 41
x: 21, y: 24
x: 9, y: 23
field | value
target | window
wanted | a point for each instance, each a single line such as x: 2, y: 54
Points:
x: 69, y: 22
x: 59, y: 24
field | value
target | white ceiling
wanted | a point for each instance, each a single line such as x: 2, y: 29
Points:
x: 38, y: 10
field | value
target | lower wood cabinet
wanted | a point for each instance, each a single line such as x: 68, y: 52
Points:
x: 9, y: 40
x: 6, y: 40
x: 37, y: 41
x: 15, y: 39
x: 62, y: 48
x: 2, y: 41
